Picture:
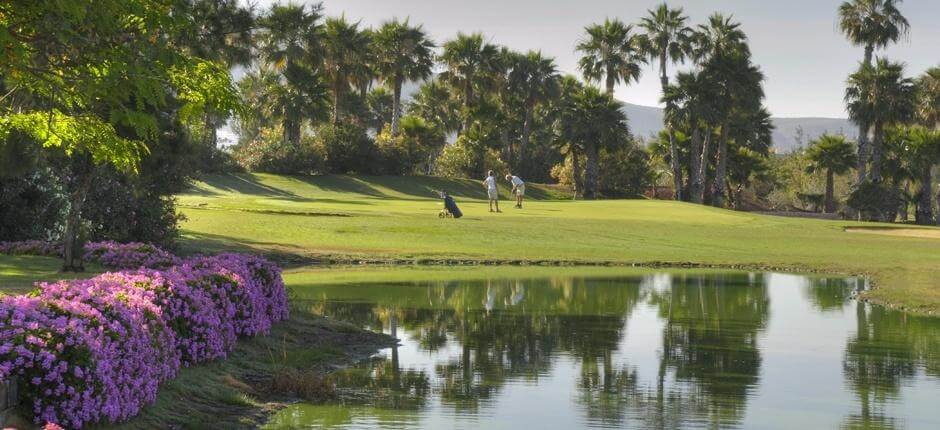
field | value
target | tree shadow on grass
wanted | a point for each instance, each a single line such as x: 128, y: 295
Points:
x: 281, y: 253
x: 243, y: 183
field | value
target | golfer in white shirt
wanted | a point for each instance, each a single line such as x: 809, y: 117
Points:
x: 518, y: 189
x: 491, y: 192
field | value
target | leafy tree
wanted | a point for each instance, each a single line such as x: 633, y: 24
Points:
x: 834, y: 155
x: 872, y: 24
x: 611, y: 52
x: 96, y: 75
x: 667, y: 40
x: 346, y: 53
x: 879, y: 95
x: 402, y: 53
x: 470, y: 63
x: 222, y: 33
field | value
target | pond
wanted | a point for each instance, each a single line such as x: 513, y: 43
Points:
x: 664, y: 350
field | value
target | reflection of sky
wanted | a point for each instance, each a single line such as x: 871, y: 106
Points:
x: 801, y: 378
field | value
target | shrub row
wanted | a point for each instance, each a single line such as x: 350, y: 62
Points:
x: 98, y: 349
x: 111, y: 255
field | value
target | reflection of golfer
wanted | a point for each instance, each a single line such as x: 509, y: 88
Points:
x: 518, y: 189
x: 491, y: 193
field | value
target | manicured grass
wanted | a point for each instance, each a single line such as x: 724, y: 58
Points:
x: 382, y: 218
x: 19, y: 273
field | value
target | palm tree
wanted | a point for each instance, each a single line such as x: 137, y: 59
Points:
x: 345, y: 54
x: 879, y: 95
x: 921, y: 152
x: 611, y: 52
x: 564, y: 119
x: 290, y: 44
x: 928, y: 98
x: 434, y: 103
x: 872, y: 24
x: 599, y: 122
x: 718, y: 38
x: 667, y: 39
x: 740, y: 93
x: 833, y: 154
x: 469, y: 61
x: 535, y: 79
x: 690, y: 103
x: 402, y: 53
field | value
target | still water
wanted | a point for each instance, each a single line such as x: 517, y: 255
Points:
x: 663, y: 350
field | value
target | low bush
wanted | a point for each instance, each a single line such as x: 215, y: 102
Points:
x: 98, y: 349
x: 111, y: 255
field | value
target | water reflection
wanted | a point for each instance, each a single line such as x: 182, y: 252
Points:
x: 661, y: 351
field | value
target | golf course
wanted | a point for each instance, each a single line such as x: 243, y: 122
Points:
x: 309, y: 221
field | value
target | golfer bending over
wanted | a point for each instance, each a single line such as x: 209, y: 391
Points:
x: 518, y: 189
x: 491, y: 192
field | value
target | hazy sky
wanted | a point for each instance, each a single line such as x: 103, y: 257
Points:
x: 796, y: 42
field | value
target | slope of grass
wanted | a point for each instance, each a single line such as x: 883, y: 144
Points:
x: 344, y: 218
x: 18, y: 273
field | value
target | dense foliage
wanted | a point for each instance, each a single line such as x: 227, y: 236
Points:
x: 97, y: 350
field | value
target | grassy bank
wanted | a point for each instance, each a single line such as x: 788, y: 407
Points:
x: 343, y: 218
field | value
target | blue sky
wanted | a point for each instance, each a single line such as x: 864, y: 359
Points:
x: 796, y: 42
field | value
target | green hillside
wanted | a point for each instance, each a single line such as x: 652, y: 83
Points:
x: 343, y: 218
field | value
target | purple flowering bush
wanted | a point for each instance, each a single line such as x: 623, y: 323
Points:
x: 32, y: 247
x: 98, y: 349
x: 109, y: 254
x: 134, y: 255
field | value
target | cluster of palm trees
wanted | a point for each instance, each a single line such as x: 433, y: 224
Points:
x: 712, y: 111
x: 899, y: 124
x: 313, y: 69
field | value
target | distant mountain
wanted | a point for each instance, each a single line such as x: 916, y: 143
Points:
x: 646, y: 121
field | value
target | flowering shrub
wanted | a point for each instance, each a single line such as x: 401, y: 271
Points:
x: 97, y: 350
x: 109, y: 254
x: 134, y: 255
x: 32, y: 247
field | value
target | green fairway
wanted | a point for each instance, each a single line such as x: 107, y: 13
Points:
x: 348, y: 218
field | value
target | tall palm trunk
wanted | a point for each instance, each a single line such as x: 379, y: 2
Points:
x: 829, y: 205
x: 673, y: 149
x: 721, y: 170
x: 863, y: 129
x: 73, y: 241
x: 703, y: 165
x: 396, y: 104
x: 590, y: 171
x: 695, y: 165
x: 467, y: 104
x: 526, y: 135
x: 877, y: 147
x: 292, y: 131
x: 504, y: 140
x: 923, y: 215
x: 337, y: 95
x: 576, y: 172
x: 611, y: 81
